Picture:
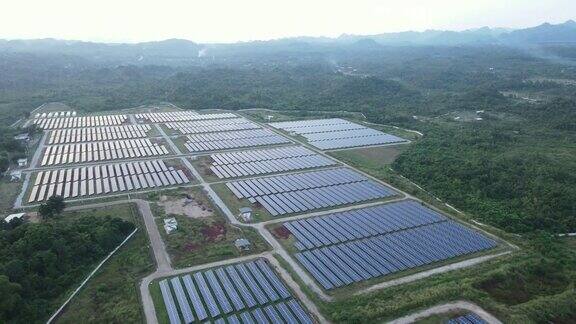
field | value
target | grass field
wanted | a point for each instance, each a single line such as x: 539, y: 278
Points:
x: 204, y: 239
x: 8, y: 193
x: 373, y: 157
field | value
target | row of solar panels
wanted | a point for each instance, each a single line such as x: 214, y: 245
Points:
x: 174, y: 116
x: 346, y: 263
x: 467, y: 319
x: 86, y: 121
x: 323, y: 197
x: 320, y: 231
x: 106, y: 184
x: 324, y: 128
x: 89, y: 134
x: 235, y: 143
x: 91, y: 152
x: 309, y: 123
x: 100, y: 171
x: 54, y: 114
x: 260, y: 155
x: 270, y: 166
x: 337, y: 133
x: 293, y: 182
x: 284, y: 312
x: 358, y: 132
x: 209, y: 126
x: 357, y: 141
x: 217, y: 292
x: 220, y: 136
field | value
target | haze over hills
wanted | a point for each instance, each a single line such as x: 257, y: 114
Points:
x: 179, y: 48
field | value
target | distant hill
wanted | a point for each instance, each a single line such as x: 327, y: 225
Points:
x: 545, y: 33
x: 180, y: 51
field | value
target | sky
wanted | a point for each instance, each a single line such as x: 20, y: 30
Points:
x: 222, y: 21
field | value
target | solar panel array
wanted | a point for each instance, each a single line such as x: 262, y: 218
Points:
x: 54, y: 114
x: 315, y: 232
x: 90, y: 134
x: 101, y: 151
x: 229, y: 140
x: 336, y: 133
x: 300, y: 192
x: 208, y: 126
x: 174, y: 116
x: 105, y: 178
x: 281, y: 159
x: 467, y: 319
x: 247, y: 292
x: 344, y: 248
x: 74, y: 122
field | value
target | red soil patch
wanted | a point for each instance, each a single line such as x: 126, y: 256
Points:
x: 281, y: 232
x: 214, y: 233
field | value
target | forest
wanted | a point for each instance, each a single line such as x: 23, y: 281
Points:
x: 40, y: 262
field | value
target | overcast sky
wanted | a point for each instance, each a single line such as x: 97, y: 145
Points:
x: 243, y: 20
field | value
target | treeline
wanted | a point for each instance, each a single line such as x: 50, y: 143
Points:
x: 41, y: 261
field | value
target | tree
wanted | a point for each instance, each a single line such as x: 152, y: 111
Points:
x: 54, y: 206
x: 10, y: 293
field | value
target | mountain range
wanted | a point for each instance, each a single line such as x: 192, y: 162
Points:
x: 177, y: 50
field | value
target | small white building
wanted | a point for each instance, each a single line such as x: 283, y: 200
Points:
x: 246, y: 214
x: 9, y: 218
x: 22, y: 162
x: 15, y: 175
x: 170, y: 225
x: 242, y: 244
x: 22, y: 137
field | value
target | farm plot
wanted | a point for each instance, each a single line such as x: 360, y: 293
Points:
x: 336, y: 133
x: 209, y: 126
x: 75, y: 122
x: 89, y: 134
x: 174, y: 116
x: 104, y: 179
x: 353, y: 246
x: 300, y: 192
x: 235, y: 139
x: 101, y: 151
x: 248, y: 292
x: 264, y: 161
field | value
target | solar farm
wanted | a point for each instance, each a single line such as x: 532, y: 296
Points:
x: 344, y: 228
x: 336, y: 133
x: 353, y: 246
x: 249, y: 292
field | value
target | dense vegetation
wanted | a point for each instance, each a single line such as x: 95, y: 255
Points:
x: 39, y: 262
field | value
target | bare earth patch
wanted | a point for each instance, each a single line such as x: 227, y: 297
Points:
x: 186, y: 206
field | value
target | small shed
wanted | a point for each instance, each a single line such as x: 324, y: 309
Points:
x: 15, y: 175
x: 170, y: 225
x: 22, y: 137
x: 22, y: 162
x: 9, y: 218
x: 246, y: 214
x: 242, y: 244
